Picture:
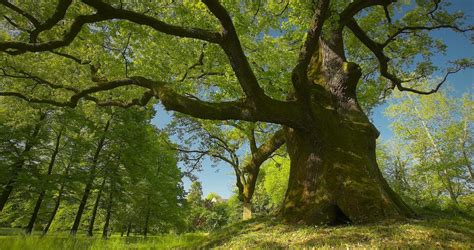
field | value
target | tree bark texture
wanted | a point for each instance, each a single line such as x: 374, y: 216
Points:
x: 334, y: 176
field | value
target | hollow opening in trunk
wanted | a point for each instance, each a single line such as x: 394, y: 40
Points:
x: 340, y: 217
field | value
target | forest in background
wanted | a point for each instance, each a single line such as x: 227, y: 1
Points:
x: 124, y: 170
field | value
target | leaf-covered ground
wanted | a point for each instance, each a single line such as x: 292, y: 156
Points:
x: 433, y: 231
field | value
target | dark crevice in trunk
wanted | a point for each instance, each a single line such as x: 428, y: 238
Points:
x: 340, y: 218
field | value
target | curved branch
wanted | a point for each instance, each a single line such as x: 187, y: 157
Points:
x: 353, y: 8
x: 27, y: 15
x: 407, y: 29
x: 138, y: 18
x: 270, y: 111
x: 377, y: 50
x: 58, y: 15
x: 83, y: 94
x: 15, y: 48
x: 105, y: 12
x: 266, y: 150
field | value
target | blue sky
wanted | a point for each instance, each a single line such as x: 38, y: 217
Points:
x: 221, y: 179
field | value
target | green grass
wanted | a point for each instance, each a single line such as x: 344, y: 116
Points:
x: 58, y: 241
x: 433, y: 231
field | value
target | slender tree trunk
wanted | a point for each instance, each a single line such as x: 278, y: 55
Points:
x: 18, y: 165
x: 94, y: 210
x: 440, y: 160
x: 467, y: 161
x: 247, y: 179
x: 90, y: 182
x: 147, y: 218
x: 58, y: 199
x: 55, y: 209
x: 129, y: 228
x: 334, y: 177
x: 29, y: 227
x: 247, y: 210
x: 31, y: 223
x: 105, y: 232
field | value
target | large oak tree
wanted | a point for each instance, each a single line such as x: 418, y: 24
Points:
x: 304, y: 65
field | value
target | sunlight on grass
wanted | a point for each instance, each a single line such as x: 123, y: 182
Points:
x: 116, y: 242
x: 431, y: 232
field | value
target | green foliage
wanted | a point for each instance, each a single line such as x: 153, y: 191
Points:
x: 140, y: 174
x: 271, y: 185
x: 168, y: 241
x: 206, y: 214
x: 430, y: 158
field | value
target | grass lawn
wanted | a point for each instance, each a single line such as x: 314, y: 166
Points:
x: 433, y: 231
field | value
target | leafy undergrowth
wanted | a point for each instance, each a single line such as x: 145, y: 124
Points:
x: 430, y: 232
x: 433, y: 231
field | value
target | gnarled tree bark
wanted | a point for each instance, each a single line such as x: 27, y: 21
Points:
x: 334, y: 177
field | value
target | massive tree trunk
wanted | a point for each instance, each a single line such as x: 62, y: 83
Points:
x: 18, y: 165
x: 94, y: 210
x: 39, y: 201
x: 90, y: 181
x: 334, y: 177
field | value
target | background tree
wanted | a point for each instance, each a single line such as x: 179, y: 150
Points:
x: 227, y: 143
x: 436, y: 161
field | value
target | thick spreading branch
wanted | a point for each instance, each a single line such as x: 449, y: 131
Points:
x: 231, y: 45
x: 270, y: 111
x: 310, y: 46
